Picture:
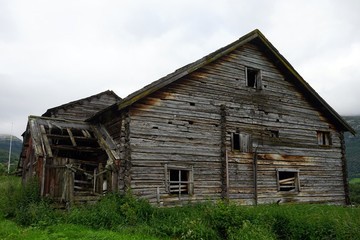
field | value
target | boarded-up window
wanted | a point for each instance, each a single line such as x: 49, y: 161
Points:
x: 323, y: 138
x: 253, y: 78
x: 288, y: 180
x: 241, y: 142
x: 179, y: 180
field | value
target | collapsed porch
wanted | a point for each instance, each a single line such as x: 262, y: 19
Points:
x: 75, y: 161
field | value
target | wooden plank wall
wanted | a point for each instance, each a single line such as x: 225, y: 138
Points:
x: 180, y: 125
x: 84, y: 109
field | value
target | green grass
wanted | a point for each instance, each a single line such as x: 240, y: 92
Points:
x: 10, y: 230
x: 354, y: 180
x: 24, y: 215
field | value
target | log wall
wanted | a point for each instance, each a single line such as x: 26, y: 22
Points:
x: 180, y: 125
x: 83, y: 109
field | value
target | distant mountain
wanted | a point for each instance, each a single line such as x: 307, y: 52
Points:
x: 353, y: 147
x: 4, y: 150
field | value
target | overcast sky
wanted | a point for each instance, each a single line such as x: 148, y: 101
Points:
x: 54, y: 52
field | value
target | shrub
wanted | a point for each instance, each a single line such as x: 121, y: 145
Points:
x: 355, y: 192
x: 10, y: 189
x: 111, y: 211
x: 23, y: 203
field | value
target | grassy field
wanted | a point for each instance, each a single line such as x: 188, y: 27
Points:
x: 355, y: 180
x: 10, y: 230
x: 23, y: 215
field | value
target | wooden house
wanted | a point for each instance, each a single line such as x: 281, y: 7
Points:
x: 238, y: 124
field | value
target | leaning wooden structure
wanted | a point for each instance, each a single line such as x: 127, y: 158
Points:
x: 238, y: 124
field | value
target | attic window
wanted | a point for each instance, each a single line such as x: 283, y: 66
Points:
x: 253, y: 78
x: 241, y: 142
x: 288, y: 180
x: 324, y: 138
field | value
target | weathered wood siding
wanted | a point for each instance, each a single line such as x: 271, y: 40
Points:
x: 82, y: 109
x: 180, y: 125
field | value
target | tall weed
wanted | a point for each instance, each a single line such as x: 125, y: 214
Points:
x: 221, y: 220
x: 111, y: 211
x: 23, y: 203
x: 10, y: 188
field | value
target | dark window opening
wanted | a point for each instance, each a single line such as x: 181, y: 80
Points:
x: 192, y: 104
x: 155, y: 127
x: 191, y: 122
x: 236, y: 141
x: 253, y: 78
x: 274, y: 134
x: 324, y: 138
x: 179, y: 181
x: 241, y: 142
x: 288, y: 180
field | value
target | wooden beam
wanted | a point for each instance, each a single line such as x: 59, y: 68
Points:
x: 71, y: 137
x: 46, y: 141
x: 224, y: 173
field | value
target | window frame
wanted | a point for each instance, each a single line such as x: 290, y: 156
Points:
x: 296, y: 180
x: 324, y: 138
x: 258, y: 78
x: 189, y: 183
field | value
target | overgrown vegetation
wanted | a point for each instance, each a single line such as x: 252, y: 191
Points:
x: 4, y: 152
x: 119, y: 216
x: 353, y: 147
x: 355, y: 192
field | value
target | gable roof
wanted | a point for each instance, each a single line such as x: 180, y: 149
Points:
x: 268, y: 49
x: 92, y: 107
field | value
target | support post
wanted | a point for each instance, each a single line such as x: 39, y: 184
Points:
x: 255, y: 176
x: 223, y: 154
x: 127, y: 148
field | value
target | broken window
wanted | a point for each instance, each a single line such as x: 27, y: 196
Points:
x: 288, y: 180
x: 241, y: 142
x: 179, y: 180
x: 324, y: 138
x: 253, y: 78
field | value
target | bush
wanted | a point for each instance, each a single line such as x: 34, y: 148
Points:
x: 10, y: 189
x: 111, y: 211
x: 128, y: 214
x: 23, y: 203
x: 355, y: 193
x: 191, y: 221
